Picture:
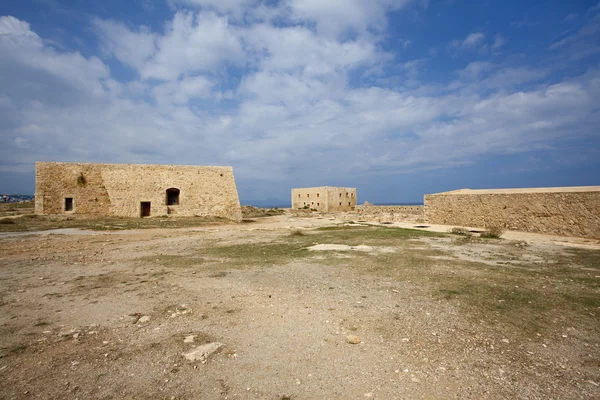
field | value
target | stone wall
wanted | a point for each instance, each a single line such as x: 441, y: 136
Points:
x: 561, y: 211
x: 324, y: 198
x: 119, y: 189
x: 370, y: 212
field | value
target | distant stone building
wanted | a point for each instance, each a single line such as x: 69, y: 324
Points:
x: 569, y: 211
x: 324, y: 198
x: 135, y: 190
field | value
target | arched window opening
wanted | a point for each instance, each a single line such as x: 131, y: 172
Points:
x: 172, y: 197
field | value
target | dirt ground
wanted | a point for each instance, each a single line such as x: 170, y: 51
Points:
x: 298, y: 308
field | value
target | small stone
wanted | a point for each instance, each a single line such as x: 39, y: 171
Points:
x: 369, y: 394
x: 189, y: 339
x: 505, y: 340
x: 353, y: 339
x: 416, y: 380
x: 144, y: 319
x: 67, y: 332
x: 201, y: 353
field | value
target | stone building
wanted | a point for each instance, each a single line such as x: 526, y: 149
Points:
x: 569, y: 211
x: 135, y: 190
x: 324, y: 198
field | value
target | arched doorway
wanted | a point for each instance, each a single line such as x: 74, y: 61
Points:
x: 172, y: 197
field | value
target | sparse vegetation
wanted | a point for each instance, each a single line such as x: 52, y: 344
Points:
x: 257, y: 212
x: 493, y: 232
x: 46, y: 222
x: 81, y: 180
x: 460, y: 231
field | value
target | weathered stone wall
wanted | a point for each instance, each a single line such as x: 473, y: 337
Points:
x: 341, y: 199
x: 324, y: 198
x: 370, y: 212
x: 119, y: 189
x: 560, y: 211
x: 314, y: 198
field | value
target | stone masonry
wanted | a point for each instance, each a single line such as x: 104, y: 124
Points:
x: 569, y: 211
x: 134, y: 190
x: 324, y: 198
x: 378, y: 213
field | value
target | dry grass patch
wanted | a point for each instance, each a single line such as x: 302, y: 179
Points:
x: 46, y: 222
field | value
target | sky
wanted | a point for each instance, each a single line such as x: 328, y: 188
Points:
x: 398, y: 98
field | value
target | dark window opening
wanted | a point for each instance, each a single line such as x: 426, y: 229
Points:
x: 340, y: 203
x: 298, y: 195
x: 318, y: 195
x: 318, y: 204
x: 145, y: 209
x: 348, y: 203
x: 68, y: 204
x: 340, y: 195
x: 352, y: 195
x: 307, y: 195
x: 172, y: 197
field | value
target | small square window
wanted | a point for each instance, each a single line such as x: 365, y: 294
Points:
x: 340, y: 195
x: 340, y: 203
x: 318, y: 204
x: 348, y: 203
x: 318, y: 195
x: 308, y: 195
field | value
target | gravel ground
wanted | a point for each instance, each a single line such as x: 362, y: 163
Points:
x: 113, y: 314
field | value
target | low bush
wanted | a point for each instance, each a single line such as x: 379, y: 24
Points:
x: 460, y: 231
x: 494, y: 232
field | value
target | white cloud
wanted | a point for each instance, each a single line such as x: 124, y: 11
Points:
x: 295, y: 102
x: 298, y: 47
x: 180, y: 92
x: 133, y: 48
x: 473, y: 39
x: 499, y: 41
x: 191, y: 43
x: 335, y: 17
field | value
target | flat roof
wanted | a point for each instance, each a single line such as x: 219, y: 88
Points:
x: 324, y: 187
x: 563, y: 189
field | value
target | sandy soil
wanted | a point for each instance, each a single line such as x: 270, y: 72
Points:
x: 112, y: 315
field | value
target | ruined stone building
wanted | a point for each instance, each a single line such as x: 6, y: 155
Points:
x: 135, y: 190
x: 324, y: 198
x: 569, y: 211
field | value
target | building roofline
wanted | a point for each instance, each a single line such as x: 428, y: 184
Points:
x: 561, y: 189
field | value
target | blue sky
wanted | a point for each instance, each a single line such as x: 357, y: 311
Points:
x: 395, y: 97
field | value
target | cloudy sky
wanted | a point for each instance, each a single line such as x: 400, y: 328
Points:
x: 395, y: 97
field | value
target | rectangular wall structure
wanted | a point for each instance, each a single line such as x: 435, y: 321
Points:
x: 568, y: 211
x: 135, y: 190
x: 324, y: 198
